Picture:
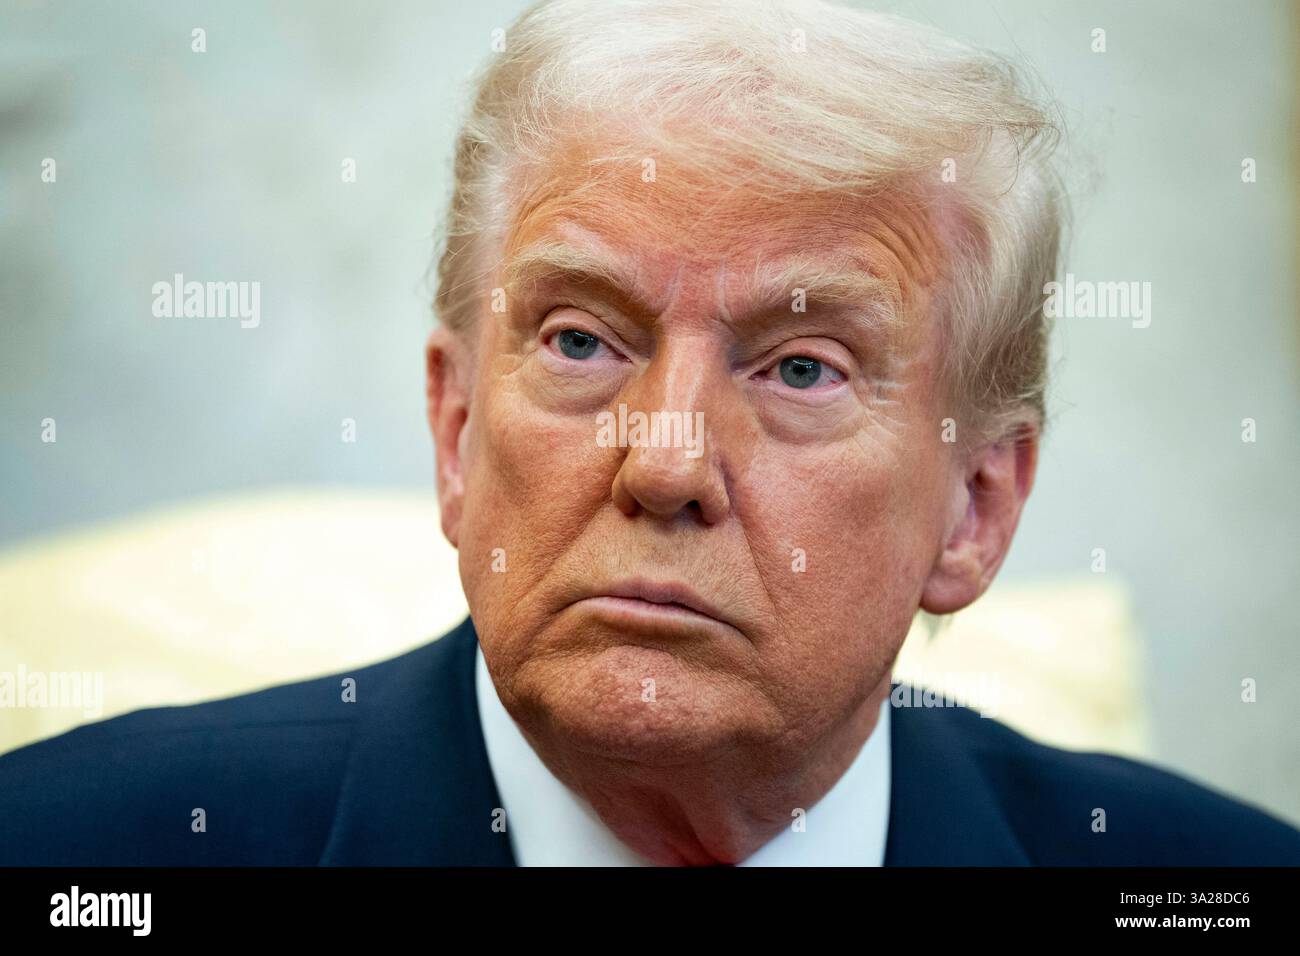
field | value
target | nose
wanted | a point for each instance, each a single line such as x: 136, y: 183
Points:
x: 672, y: 466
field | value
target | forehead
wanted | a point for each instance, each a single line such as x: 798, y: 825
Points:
x: 709, y: 227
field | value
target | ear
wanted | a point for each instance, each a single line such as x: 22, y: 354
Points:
x: 447, y: 371
x: 986, y: 509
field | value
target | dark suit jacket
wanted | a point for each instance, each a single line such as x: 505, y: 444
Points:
x: 293, y: 775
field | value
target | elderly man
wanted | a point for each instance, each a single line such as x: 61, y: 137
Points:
x: 741, y: 363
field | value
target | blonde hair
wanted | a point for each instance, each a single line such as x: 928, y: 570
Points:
x: 787, y: 97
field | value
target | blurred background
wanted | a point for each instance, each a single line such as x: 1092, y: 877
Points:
x: 226, y: 165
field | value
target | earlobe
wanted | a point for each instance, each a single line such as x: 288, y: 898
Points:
x: 989, y: 503
x: 954, y: 580
x: 448, y: 410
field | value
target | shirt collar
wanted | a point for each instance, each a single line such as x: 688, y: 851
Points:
x: 550, y: 825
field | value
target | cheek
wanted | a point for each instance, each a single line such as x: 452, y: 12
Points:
x: 533, y: 482
x: 841, y: 541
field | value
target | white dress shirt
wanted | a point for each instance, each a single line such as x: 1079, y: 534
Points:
x: 550, y: 825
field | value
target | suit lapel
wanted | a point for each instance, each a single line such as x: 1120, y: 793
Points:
x: 943, y: 810
x: 418, y: 789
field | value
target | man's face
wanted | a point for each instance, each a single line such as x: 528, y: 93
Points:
x: 664, y: 604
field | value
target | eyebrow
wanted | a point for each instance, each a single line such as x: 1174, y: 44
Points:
x: 826, y: 283
x: 550, y: 260
x: 767, y: 288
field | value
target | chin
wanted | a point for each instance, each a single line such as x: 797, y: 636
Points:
x: 599, y: 704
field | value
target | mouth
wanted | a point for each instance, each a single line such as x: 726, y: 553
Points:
x: 655, y: 603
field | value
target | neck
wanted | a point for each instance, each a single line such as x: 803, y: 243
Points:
x: 718, y: 812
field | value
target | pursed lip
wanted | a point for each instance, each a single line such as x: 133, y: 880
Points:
x: 664, y: 595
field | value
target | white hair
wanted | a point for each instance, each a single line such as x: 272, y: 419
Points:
x: 787, y: 97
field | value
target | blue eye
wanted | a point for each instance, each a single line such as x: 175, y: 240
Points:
x: 576, y: 344
x: 799, y: 371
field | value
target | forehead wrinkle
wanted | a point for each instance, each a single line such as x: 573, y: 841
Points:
x: 904, y: 232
